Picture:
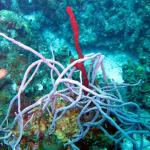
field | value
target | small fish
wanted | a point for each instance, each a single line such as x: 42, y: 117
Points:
x: 69, y: 53
x: 3, y: 73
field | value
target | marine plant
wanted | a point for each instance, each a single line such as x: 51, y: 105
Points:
x: 99, y: 105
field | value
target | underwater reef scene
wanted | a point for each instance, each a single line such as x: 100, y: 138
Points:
x: 74, y: 75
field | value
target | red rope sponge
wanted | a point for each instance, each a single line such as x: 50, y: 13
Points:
x: 75, y: 29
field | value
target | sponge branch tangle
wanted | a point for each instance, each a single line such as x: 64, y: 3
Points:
x: 103, y: 101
